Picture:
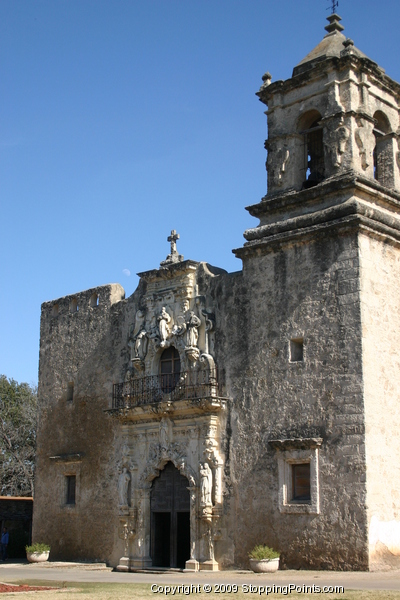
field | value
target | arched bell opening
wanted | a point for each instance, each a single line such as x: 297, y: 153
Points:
x: 382, y: 149
x: 313, y: 148
x: 170, y: 519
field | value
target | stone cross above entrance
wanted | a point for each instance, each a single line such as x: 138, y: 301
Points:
x: 173, y: 238
x: 174, y: 256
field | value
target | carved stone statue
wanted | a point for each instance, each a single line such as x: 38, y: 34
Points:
x: 164, y: 437
x: 205, y: 485
x: 163, y: 320
x: 192, y: 334
x: 141, y: 343
x: 179, y: 327
x: 123, y: 484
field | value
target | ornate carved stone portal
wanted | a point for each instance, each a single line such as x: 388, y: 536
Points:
x: 169, y: 493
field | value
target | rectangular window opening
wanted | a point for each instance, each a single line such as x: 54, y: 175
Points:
x: 297, y: 350
x: 71, y: 487
x: 70, y: 392
x: 301, y: 486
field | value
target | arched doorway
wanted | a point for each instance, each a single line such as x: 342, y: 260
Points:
x: 170, y: 519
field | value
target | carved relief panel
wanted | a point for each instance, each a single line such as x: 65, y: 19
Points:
x: 171, y: 314
x: 192, y: 452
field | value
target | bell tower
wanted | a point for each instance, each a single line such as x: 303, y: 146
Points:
x: 322, y: 270
x: 337, y: 114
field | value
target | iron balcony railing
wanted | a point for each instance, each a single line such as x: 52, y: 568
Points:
x: 139, y: 391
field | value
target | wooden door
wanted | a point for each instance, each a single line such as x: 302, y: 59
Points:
x: 170, y: 518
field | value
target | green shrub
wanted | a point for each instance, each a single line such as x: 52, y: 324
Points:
x: 260, y: 552
x: 38, y: 547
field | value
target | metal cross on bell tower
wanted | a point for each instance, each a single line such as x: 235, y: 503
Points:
x: 335, y: 4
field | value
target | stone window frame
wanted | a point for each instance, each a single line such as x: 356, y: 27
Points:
x: 291, y: 452
x: 69, y: 465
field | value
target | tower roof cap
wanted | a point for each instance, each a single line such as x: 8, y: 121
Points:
x: 330, y: 45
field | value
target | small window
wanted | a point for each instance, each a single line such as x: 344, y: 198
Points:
x: 70, y: 489
x: 73, y: 305
x: 70, y: 392
x: 301, y: 488
x: 296, y: 350
x: 94, y: 300
x: 170, y: 369
x: 55, y: 310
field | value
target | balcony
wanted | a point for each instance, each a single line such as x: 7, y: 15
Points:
x: 142, y: 391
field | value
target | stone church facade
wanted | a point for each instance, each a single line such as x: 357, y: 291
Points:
x: 212, y: 411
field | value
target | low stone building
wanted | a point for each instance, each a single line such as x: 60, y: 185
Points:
x: 212, y: 411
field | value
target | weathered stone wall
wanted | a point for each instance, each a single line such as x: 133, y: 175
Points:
x: 310, y: 291
x: 85, y: 342
x: 78, y: 346
x: 380, y: 276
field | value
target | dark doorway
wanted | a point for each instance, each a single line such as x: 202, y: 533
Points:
x: 162, y: 526
x: 170, y: 519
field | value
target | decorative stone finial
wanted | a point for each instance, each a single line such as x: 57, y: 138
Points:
x: 348, y: 48
x: 348, y: 43
x: 334, y: 24
x: 174, y: 256
x: 267, y: 77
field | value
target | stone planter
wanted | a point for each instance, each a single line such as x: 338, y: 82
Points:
x: 35, y: 557
x: 265, y: 565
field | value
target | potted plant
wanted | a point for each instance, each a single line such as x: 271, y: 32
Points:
x: 37, y: 552
x: 264, y: 559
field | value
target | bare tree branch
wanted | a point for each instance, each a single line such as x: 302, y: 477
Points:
x: 18, y: 421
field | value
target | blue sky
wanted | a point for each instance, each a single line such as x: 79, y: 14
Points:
x: 123, y: 119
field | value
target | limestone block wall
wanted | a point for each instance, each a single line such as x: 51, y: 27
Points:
x: 380, y: 304
x: 311, y: 292
x: 80, y: 335
x: 305, y: 292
